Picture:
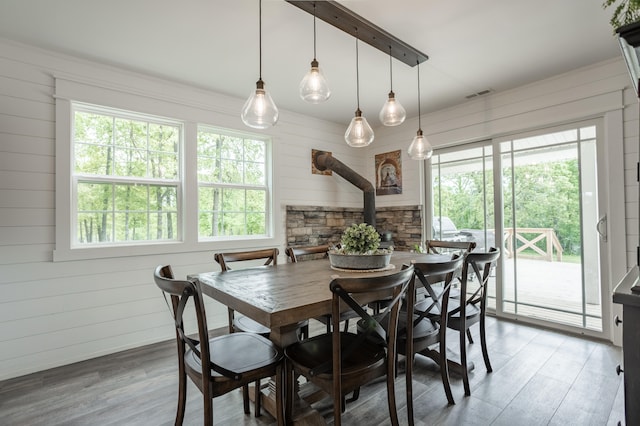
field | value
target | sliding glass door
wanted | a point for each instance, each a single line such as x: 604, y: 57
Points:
x: 536, y: 197
x: 463, y: 198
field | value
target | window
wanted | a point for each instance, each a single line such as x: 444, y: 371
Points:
x: 233, y: 191
x: 126, y: 178
x: 138, y: 175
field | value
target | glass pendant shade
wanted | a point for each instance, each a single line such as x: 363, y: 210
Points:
x: 359, y: 133
x: 392, y: 112
x: 313, y: 87
x: 420, y: 148
x: 259, y: 112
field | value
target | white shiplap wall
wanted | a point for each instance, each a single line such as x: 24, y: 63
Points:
x: 53, y: 313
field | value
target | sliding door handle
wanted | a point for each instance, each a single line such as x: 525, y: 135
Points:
x: 601, y: 227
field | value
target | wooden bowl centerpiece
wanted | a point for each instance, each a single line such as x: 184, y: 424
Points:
x: 360, y: 249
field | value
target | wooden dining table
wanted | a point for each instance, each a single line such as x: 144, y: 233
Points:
x: 283, y: 295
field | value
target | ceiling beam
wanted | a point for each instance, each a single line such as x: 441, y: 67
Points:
x: 351, y: 23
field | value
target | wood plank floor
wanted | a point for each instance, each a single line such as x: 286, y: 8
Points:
x: 540, y: 377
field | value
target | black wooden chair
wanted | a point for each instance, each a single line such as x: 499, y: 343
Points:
x: 471, y: 308
x: 242, y: 323
x: 429, y: 322
x: 318, y: 252
x: 238, y: 322
x: 307, y: 252
x: 461, y: 248
x: 295, y: 254
x: 340, y: 362
x: 221, y: 364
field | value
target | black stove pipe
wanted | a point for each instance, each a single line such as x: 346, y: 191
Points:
x: 325, y: 161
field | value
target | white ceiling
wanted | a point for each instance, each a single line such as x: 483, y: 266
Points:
x: 472, y: 45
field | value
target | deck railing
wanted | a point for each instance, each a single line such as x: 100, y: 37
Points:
x: 540, y: 234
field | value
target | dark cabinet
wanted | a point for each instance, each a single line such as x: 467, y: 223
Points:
x: 630, y: 301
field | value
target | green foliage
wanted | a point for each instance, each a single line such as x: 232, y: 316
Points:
x: 115, y: 160
x: 360, y: 239
x: 128, y: 180
x: 624, y: 12
x: 547, y: 197
x: 232, y: 194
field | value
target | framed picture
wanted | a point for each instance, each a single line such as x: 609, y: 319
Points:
x: 389, y: 173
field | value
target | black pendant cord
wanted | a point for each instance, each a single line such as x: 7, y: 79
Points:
x: 314, y: 31
x: 390, y: 71
x: 419, y: 115
x: 260, y: 40
x: 357, y: 75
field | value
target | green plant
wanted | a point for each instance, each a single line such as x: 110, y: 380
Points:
x: 626, y: 12
x: 361, y: 238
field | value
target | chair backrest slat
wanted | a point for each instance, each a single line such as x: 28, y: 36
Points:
x: 441, y: 247
x: 295, y: 253
x: 270, y: 257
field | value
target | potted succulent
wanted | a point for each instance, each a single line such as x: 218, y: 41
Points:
x: 360, y: 249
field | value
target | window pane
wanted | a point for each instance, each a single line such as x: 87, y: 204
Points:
x: 131, y: 226
x: 165, y: 166
x: 254, y: 174
x: 256, y: 224
x: 232, y: 177
x: 130, y: 134
x: 233, y: 224
x: 94, y: 227
x: 93, y: 159
x: 130, y: 162
x: 233, y: 200
x: 124, y: 156
x: 231, y: 171
x: 256, y: 200
x: 254, y: 151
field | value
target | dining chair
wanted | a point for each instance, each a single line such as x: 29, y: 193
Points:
x: 238, y: 322
x: 307, y: 252
x: 242, y: 323
x: 340, y: 362
x: 220, y: 364
x: 429, y: 322
x: 461, y: 248
x: 471, y: 307
x: 315, y: 252
x: 294, y: 254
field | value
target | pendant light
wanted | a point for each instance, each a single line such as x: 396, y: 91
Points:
x: 260, y: 112
x: 359, y: 133
x: 392, y: 112
x: 420, y: 148
x: 313, y: 87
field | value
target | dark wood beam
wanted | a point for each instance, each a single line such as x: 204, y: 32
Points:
x: 346, y: 20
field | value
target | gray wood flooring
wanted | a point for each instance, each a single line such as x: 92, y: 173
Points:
x: 540, y: 377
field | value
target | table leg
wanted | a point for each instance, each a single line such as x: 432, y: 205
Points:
x: 303, y: 413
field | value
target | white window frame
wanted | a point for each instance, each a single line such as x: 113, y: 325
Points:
x: 266, y: 186
x: 176, y: 109
x: 78, y: 177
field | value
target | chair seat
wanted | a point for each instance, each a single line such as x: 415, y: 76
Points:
x: 472, y: 315
x: 246, y: 324
x: 231, y: 352
x: 317, y: 350
x: 471, y: 312
x: 425, y: 333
